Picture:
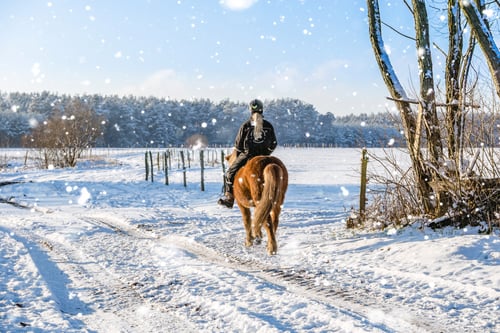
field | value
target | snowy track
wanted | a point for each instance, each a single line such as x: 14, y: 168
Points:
x: 135, y: 301
x: 139, y: 257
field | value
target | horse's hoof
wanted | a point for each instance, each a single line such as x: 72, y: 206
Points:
x: 272, y: 250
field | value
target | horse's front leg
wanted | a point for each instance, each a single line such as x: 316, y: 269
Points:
x: 247, y: 223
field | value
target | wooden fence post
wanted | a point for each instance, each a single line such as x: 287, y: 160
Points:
x: 169, y: 155
x: 202, y: 166
x: 166, y: 167
x: 183, y: 167
x: 151, y: 165
x: 362, y: 191
x: 222, y: 157
x: 147, y: 166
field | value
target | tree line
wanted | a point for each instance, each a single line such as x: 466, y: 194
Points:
x: 132, y: 121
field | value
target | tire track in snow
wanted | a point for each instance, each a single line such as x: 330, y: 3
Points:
x: 65, y: 265
x: 361, y: 305
x: 24, y: 298
x: 123, y: 294
x: 89, y: 294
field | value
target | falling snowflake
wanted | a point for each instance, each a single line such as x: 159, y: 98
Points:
x: 84, y: 196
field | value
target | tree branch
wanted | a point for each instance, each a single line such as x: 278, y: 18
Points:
x: 397, y: 31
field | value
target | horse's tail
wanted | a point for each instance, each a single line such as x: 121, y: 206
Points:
x: 272, y: 194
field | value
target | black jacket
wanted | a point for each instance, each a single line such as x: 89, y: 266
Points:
x: 246, y: 143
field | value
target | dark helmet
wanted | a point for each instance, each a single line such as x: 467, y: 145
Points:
x: 256, y: 106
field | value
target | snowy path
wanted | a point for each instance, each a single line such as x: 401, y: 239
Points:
x: 114, y: 269
x: 140, y: 257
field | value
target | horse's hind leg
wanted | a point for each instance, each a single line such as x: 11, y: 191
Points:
x: 272, y: 246
x: 257, y: 233
x: 275, y: 217
x: 247, y: 223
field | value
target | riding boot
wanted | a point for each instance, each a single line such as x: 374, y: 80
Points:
x: 228, y: 201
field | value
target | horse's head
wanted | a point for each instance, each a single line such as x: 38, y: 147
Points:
x: 231, y: 157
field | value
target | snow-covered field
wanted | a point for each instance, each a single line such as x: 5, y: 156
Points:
x: 99, y: 249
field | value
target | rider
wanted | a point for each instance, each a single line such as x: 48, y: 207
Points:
x: 255, y: 137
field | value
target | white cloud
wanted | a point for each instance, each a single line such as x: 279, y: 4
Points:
x: 318, y: 87
x: 162, y: 83
x: 328, y: 70
x: 237, y: 4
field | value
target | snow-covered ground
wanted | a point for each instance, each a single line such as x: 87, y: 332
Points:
x: 99, y: 249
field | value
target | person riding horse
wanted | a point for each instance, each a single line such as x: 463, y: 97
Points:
x: 255, y: 137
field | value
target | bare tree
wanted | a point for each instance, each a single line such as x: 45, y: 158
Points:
x: 438, y: 175
x: 66, y: 134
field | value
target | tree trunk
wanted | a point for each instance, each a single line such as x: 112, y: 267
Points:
x: 452, y: 78
x: 479, y: 26
x: 428, y: 99
x: 427, y: 93
x: 411, y: 130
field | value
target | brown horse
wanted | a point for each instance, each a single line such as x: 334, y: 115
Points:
x: 260, y: 184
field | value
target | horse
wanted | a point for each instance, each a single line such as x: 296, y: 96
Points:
x: 260, y: 184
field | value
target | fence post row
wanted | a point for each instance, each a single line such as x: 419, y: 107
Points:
x: 163, y: 164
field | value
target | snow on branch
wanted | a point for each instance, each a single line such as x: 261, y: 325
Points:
x: 412, y: 101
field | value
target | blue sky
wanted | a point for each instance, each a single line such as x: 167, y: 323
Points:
x: 314, y: 50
